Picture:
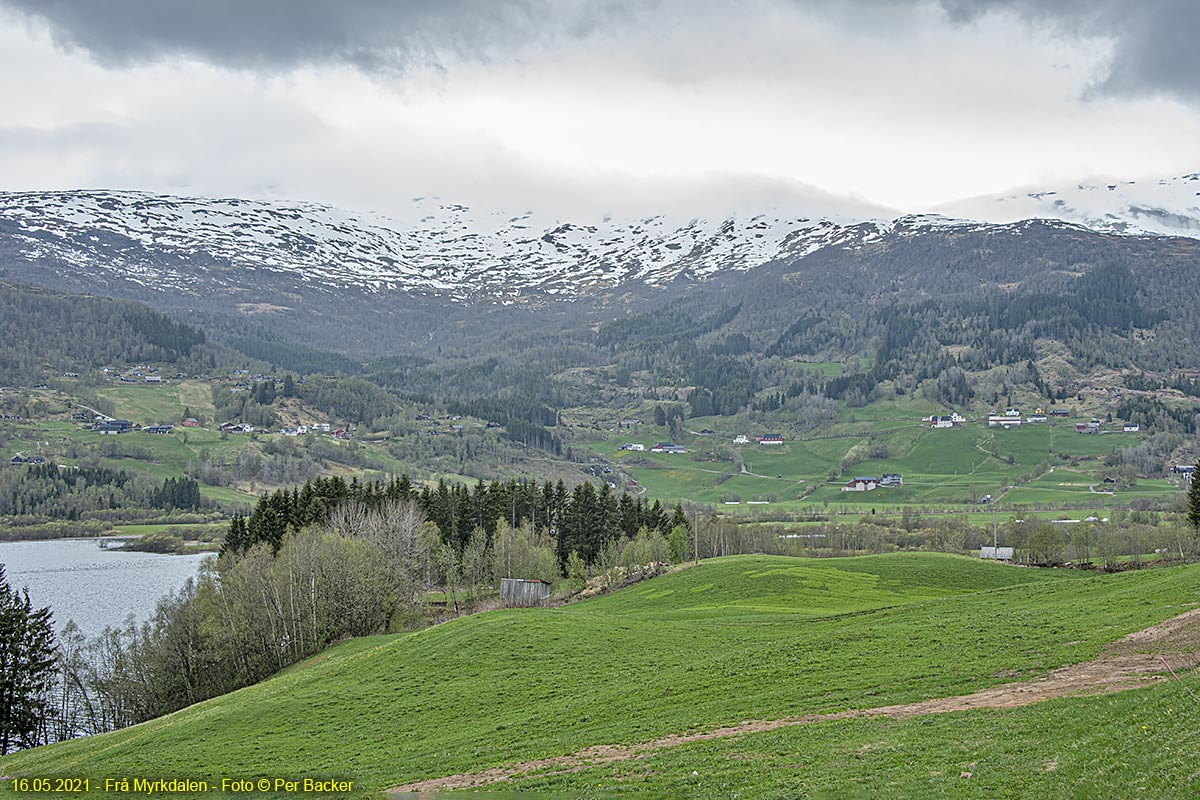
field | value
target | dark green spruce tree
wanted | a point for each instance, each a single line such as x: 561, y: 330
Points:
x: 27, y: 666
x: 1193, y: 513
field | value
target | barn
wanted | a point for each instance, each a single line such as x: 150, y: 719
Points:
x: 524, y: 593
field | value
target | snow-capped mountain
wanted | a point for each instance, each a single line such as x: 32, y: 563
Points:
x: 180, y: 243
x: 1167, y: 207
x: 204, y: 245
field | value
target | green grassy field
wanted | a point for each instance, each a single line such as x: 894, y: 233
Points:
x: 747, y: 637
x: 1142, y: 743
x: 941, y: 468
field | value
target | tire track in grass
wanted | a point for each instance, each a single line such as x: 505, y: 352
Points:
x: 1131, y: 662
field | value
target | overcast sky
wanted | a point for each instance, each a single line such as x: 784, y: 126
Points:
x: 567, y: 106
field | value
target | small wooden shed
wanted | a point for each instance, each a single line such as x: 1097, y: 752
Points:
x: 524, y: 593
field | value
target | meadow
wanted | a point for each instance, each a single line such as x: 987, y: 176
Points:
x: 745, y: 637
x: 1030, y: 468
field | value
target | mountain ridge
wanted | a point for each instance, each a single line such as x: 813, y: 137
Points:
x: 198, y: 244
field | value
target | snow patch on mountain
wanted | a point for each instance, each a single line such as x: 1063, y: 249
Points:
x: 1167, y: 207
x: 447, y: 249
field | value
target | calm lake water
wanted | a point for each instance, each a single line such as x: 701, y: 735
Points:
x: 95, y: 587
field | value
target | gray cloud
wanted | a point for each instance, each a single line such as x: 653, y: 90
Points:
x: 272, y: 34
x: 1155, y: 40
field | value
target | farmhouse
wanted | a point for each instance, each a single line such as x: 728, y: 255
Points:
x: 667, y: 447
x: 1060, y: 412
x: 236, y: 427
x: 893, y: 479
x: 114, y: 426
x: 771, y: 438
x: 861, y: 485
x: 943, y: 421
x: 638, y: 446
x: 524, y: 593
x: 191, y: 422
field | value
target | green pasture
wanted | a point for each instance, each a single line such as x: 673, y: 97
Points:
x: 942, y: 468
x: 747, y: 637
x: 1139, y: 743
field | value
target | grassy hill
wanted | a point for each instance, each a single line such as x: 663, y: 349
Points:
x: 747, y: 637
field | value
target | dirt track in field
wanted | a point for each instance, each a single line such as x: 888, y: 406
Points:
x: 1136, y: 660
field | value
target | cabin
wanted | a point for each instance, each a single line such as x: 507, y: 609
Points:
x: 1060, y: 412
x: 944, y: 421
x: 524, y: 592
x: 114, y: 426
x: 771, y: 438
x: 861, y: 485
x: 191, y: 422
x: 238, y: 428
x: 340, y: 433
x: 17, y: 460
x: 893, y: 479
x: 158, y: 429
x: 707, y: 432
x: 996, y: 553
x: 1131, y: 428
x: 638, y: 446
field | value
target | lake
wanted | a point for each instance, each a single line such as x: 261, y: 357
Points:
x: 95, y: 587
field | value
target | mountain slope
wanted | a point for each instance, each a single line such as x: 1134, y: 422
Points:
x: 1167, y: 207
x: 197, y: 245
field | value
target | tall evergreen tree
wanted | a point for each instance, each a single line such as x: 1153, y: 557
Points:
x: 27, y: 666
x: 1193, y: 515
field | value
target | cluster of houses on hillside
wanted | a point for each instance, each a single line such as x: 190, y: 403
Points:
x: 19, y: 460
x: 669, y: 447
x: 1012, y: 418
x: 893, y: 480
x: 766, y: 439
x: 946, y: 420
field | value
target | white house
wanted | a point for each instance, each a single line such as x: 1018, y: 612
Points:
x: 941, y: 422
x: 633, y: 446
x: 861, y: 485
x: 1131, y: 428
x: 1003, y: 421
x: 741, y: 439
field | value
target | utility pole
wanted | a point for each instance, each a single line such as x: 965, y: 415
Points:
x: 995, y: 531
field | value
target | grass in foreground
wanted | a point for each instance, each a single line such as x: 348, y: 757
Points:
x: 738, y: 638
x: 1142, y: 743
